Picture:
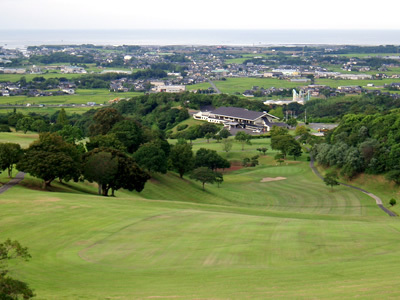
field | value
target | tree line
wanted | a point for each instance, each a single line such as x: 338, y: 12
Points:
x: 337, y: 107
x: 120, y: 153
x: 363, y: 143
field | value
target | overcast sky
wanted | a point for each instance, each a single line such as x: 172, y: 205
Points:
x: 201, y: 14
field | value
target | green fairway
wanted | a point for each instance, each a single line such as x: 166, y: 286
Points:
x: 293, y: 238
x: 18, y: 137
x: 89, y: 247
x: 245, y: 189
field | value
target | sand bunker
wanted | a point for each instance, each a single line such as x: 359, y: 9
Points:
x: 269, y: 179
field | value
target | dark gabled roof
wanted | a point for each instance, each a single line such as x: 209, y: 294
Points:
x: 241, y: 113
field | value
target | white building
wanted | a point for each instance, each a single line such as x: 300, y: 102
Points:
x: 170, y: 88
x: 239, y: 118
x: 287, y: 72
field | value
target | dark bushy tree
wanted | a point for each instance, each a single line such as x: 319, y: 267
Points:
x: 51, y: 157
x: 130, y: 133
x: 121, y: 171
x: 105, y: 141
x: 10, y: 154
x: 24, y: 124
x: 103, y: 120
x: 210, y: 159
x: 204, y: 175
x: 331, y: 179
x: 151, y: 157
x: 224, y: 133
x: 181, y: 158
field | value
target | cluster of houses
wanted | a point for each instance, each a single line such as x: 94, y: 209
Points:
x: 14, y: 89
x: 200, y: 64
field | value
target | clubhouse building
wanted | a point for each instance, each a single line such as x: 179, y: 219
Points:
x: 235, y: 117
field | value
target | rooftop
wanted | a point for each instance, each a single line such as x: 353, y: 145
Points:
x: 241, y: 113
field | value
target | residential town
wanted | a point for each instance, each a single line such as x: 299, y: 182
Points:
x: 184, y: 68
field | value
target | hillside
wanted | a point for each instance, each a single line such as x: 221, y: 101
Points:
x: 292, y: 238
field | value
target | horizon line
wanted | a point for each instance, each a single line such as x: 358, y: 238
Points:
x: 211, y: 29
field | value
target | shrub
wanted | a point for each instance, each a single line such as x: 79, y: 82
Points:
x: 5, y: 128
x: 392, y: 202
x: 182, y: 127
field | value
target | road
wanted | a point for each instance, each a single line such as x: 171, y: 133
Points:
x: 12, y: 182
x: 214, y: 86
x: 376, y: 198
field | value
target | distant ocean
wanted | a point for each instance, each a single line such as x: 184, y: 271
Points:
x: 24, y: 38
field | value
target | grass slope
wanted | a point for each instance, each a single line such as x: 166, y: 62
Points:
x: 286, y: 239
x: 90, y: 247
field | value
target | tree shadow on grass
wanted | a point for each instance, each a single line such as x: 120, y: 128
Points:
x: 63, y: 187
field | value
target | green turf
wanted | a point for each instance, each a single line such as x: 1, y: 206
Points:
x: 340, y: 82
x: 195, y: 87
x: 244, y: 187
x: 286, y: 239
x: 89, y: 247
x: 82, y: 96
x: 18, y: 137
x: 232, y: 85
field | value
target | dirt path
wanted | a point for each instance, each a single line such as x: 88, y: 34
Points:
x: 375, y: 197
x: 17, y: 179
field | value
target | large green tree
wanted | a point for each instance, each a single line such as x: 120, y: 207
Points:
x: 71, y: 134
x: 181, y: 158
x: 51, y: 157
x: 285, y: 143
x: 103, y: 120
x: 120, y: 171
x: 101, y: 168
x: 243, y: 138
x: 210, y: 159
x: 295, y: 150
x: 204, y: 175
x: 39, y: 126
x: 106, y: 141
x: 331, y: 178
x: 224, y: 133
x: 62, y: 118
x: 10, y: 154
x: 24, y: 124
x: 130, y: 133
x: 151, y: 157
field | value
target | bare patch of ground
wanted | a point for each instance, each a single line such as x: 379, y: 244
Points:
x: 235, y: 165
x: 269, y: 179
